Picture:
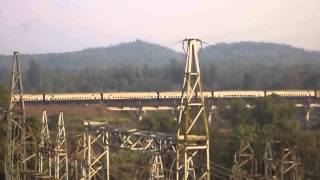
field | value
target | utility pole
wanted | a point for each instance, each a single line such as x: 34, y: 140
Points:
x: 192, y: 133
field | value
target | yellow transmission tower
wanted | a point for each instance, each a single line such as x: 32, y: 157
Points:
x: 192, y: 152
x: 20, y: 157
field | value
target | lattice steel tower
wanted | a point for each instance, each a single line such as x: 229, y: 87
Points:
x: 45, y: 149
x: 61, y: 153
x: 192, y: 153
x: 20, y: 142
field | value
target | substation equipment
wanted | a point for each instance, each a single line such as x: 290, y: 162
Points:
x: 188, y: 148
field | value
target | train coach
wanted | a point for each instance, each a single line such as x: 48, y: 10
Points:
x: 169, y: 95
x: 72, y: 97
x: 238, y: 94
x: 129, y: 95
x: 292, y: 93
x: 30, y: 97
x: 61, y: 97
x: 177, y: 94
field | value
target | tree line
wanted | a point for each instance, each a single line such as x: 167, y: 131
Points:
x: 143, y: 77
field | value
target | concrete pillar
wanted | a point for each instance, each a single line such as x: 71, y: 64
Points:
x: 140, y: 114
x: 307, y: 111
x: 210, y: 114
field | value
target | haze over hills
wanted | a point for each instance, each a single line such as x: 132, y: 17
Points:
x: 137, y: 52
x: 140, y: 66
x: 141, y: 52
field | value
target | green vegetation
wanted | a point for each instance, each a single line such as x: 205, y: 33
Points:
x: 271, y: 119
x: 4, y: 103
x: 142, y: 66
x: 4, y: 97
x: 158, y: 122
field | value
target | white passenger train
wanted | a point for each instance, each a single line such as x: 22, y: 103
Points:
x: 164, y: 95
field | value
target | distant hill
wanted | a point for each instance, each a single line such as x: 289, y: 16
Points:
x: 136, y: 52
x: 141, y: 52
x: 259, y: 52
x: 141, y: 66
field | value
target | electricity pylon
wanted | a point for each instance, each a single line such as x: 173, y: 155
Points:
x: 268, y: 162
x: 97, y: 153
x: 192, y: 134
x: 243, y: 161
x: 61, y: 153
x: 289, y: 164
x: 45, y: 150
x: 21, y: 144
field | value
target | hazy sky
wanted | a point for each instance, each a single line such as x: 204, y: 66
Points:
x: 39, y: 26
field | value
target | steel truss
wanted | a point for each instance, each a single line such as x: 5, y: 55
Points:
x: 46, y: 151
x: 243, y: 161
x: 91, y: 158
x: 157, y: 144
x: 96, y: 153
x: 61, y: 152
x: 78, y: 158
x: 269, y: 167
x: 20, y: 160
x: 289, y: 164
x: 156, y: 167
x: 192, y: 153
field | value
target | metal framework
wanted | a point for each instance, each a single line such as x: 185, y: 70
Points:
x: 91, y: 157
x: 21, y: 145
x: 96, y: 152
x: 78, y: 158
x: 46, y: 151
x: 243, y: 161
x: 269, y: 167
x: 61, y: 152
x: 156, y: 167
x: 289, y: 164
x: 192, y: 155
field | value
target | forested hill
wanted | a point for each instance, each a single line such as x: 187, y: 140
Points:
x: 141, y: 52
x: 259, y: 52
x: 137, y: 52
x: 141, y: 65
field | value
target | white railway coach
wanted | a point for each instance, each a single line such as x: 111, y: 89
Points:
x: 238, y: 94
x: 170, y: 95
x: 73, y: 97
x: 177, y: 94
x: 130, y: 95
x: 29, y: 97
x: 291, y: 93
x: 207, y: 94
